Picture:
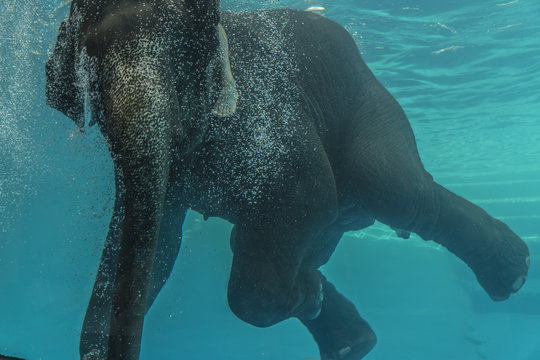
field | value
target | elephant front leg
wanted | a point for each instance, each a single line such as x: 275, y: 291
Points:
x: 268, y: 282
x: 339, y: 330
x: 140, y: 106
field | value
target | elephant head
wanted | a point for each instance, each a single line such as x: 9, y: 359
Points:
x: 93, y: 27
x: 150, y: 74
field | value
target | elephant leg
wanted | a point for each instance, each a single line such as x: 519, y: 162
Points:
x: 339, y: 330
x: 497, y: 256
x: 94, y: 335
x: 385, y: 175
x: 169, y: 241
x: 268, y: 282
x: 271, y: 278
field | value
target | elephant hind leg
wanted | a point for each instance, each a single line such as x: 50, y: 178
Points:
x: 498, y: 257
x: 385, y: 176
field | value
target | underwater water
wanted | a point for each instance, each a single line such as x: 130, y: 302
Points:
x: 467, y: 74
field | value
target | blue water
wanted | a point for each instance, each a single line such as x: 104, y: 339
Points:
x: 467, y: 74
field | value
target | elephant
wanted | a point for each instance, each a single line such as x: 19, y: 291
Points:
x: 272, y: 121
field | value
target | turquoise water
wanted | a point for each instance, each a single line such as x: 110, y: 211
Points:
x: 467, y: 74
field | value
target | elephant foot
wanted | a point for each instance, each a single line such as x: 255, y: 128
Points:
x: 355, y: 351
x: 498, y: 257
x: 340, y: 332
x: 502, y: 269
x: 94, y: 354
x: 404, y: 234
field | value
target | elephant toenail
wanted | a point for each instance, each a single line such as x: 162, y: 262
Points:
x: 528, y: 261
x: 518, y: 283
x: 344, y: 352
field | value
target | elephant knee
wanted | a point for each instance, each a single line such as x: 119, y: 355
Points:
x: 408, y: 202
x: 255, y: 307
x: 265, y: 304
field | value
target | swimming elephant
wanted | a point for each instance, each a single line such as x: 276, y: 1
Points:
x: 272, y: 121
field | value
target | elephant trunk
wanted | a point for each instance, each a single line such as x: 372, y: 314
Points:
x: 140, y: 109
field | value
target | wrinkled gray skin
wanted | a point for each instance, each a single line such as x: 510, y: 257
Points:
x: 315, y: 148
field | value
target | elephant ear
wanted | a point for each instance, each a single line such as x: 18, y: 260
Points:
x: 210, y: 51
x: 63, y: 92
x: 204, y: 13
x: 202, y: 29
x: 220, y: 82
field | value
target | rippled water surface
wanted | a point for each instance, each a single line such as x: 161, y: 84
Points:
x: 467, y: 74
